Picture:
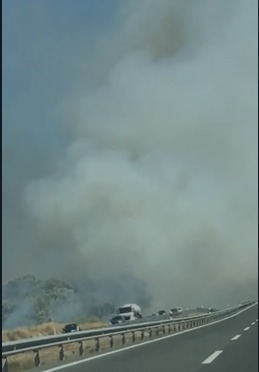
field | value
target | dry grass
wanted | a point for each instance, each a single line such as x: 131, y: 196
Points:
x: 43, y: 330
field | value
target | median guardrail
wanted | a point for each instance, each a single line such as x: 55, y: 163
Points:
x: 148, y: 329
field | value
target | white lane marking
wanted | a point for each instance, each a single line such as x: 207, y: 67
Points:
x: 235, y: 337
x: 246, y: 329
x: 253, y: 323
x: 142, y: 343
x: 256, y: 320
x: 212, y: 357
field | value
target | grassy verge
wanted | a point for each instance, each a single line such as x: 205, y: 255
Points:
x: 44, y: 330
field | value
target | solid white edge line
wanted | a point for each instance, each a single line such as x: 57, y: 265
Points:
x: 246, y: 328
x: 142, y: 343
x: 235, y: 337
x: 212, y: 357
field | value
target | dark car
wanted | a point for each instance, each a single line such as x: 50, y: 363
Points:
x: 161, y: 312
x: 73, y: 327
x: 176, y: 311
x: 117, y: 319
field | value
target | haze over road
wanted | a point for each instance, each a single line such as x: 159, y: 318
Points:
x: 229, y: 345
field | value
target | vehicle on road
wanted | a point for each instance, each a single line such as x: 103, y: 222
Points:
x: 117, y: 319
x: 176, y: 311
x: 130, y: 312
x: 72, y: 327
x: 161, y: 312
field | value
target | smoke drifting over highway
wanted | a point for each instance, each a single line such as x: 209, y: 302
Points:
x: 159, y: 179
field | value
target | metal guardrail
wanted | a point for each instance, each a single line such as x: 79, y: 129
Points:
x: 20, y: 345
x: 160, y: 327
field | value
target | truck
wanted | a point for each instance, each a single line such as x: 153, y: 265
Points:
x: 130, y: 312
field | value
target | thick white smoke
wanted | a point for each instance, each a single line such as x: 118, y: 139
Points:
x: 161, y: 178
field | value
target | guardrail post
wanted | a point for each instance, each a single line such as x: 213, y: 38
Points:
x: 133, y: 336
x: 169, y: 328
x: 157, y: 331
x: 111, y: 341
x: 81, y: 348
x: 123, y: 339
x: 142, y: 335
x: 163, y: 329
x: 150, y: 332
x: 4, y: 365
x: 37, y: 358
x: 97, y: 345
x: 61, y: 353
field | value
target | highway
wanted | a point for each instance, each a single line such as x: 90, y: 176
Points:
x: 226, y: 346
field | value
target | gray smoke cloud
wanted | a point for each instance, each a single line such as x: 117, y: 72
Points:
x: 159, y: 180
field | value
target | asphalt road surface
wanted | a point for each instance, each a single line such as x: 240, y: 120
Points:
x: 227, y: 346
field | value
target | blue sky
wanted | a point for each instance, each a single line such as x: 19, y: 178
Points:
x: 42, y: 40
x: 45, y: 46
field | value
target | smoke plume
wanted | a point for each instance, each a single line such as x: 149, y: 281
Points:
x: 159, y: 180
